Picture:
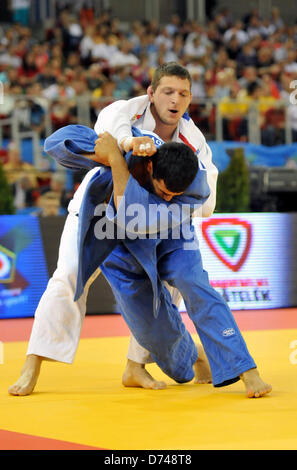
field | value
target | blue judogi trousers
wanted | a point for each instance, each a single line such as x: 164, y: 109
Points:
x: 165, y: 336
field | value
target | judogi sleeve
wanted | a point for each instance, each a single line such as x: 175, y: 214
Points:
x: 192, y: 136
x: 205, y: 159
x: 118, y: 117
x: 67, y: 145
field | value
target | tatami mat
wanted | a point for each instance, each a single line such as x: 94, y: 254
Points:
x: 84, y: 405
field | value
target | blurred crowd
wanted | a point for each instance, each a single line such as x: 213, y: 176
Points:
x: 235, y: 64
x: 35, y: 192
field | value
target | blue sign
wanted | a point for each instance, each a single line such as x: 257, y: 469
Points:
x: 23, y: 269
x: 256, y: 155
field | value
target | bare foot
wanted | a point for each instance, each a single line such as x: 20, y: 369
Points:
x: 135, y: 375
x: 201, y: 368
x: 255, y: 387
x: 29, y: 375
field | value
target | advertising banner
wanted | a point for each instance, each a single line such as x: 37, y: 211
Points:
x: 23, y: 270
x: 251, y: 258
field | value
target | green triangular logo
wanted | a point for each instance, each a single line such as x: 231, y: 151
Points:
x: 228, y: 240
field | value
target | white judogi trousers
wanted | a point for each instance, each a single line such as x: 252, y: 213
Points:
x: 58, y: 319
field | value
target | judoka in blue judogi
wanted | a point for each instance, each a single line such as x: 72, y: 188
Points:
x: 136, y: 270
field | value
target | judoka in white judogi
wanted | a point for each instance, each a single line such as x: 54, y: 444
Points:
x: 152, y: 318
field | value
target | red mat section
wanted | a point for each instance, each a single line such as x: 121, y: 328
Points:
x: 17, y: 441
x: 98, y: 326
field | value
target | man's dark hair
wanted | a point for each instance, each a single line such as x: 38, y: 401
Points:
x: 172, y: 69
x: 176, y: 164
x: 252, y: 87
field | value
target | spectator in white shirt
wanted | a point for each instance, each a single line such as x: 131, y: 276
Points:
x: 291, y: 65
x: 123, y: 56
x: 267, y: 28
x: 276, y: 18
x: 237, y: 31
x: 164, y: 38
x: 195, y: 48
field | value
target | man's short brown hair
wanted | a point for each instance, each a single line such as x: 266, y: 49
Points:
x: 173, y: 69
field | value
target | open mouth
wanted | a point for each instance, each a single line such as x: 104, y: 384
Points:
x: 173, y: 111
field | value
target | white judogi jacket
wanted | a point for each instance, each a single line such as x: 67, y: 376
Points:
x: 118, y: 118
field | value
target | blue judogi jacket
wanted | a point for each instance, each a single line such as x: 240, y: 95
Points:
x: 66, y: 146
